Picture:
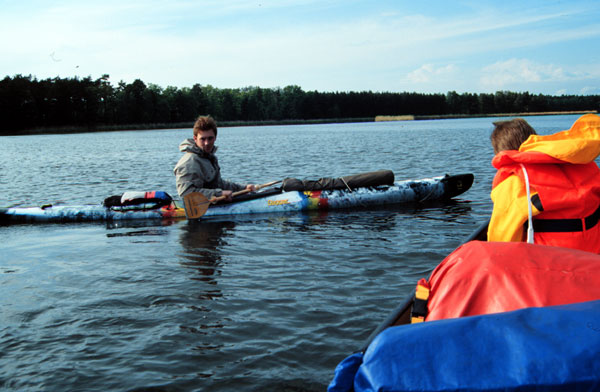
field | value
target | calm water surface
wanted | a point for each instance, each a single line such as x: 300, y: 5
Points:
x: 261, y: 303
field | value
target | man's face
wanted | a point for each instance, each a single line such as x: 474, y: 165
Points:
x: 205, y: 140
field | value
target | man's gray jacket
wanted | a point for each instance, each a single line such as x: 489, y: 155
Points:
x: 198, y: 171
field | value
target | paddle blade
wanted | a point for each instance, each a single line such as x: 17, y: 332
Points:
x: 195, y: 204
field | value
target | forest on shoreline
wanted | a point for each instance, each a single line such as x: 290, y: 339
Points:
x: 64, y: 105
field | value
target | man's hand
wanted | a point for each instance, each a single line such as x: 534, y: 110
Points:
x: 227, y: 194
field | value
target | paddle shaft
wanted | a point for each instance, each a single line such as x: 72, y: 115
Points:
x: 242, y: 192
x: 196, y: 204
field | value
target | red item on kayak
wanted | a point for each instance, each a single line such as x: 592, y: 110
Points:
x: 492, y: 277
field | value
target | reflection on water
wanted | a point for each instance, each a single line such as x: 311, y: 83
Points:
x: 136, y: 233
x: 137, y: 224
x: 376, y: 218
x: 139, y: 231
x: 449, y: 211
x: 201, y: 242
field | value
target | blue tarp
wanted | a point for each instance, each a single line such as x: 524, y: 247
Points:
x: 550, y: 348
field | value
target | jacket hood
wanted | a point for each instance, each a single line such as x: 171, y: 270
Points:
x: 579, y: 145
x: 189, y: 145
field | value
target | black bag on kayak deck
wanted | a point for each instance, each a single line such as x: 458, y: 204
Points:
x: 363, y: 180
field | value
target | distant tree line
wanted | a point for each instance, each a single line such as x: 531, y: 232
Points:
x: 28, y: 103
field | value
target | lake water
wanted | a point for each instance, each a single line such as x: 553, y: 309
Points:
x: 261, y: 303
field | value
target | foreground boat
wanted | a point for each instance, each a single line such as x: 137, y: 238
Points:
x: 269, y: 201
x: 497, y: 316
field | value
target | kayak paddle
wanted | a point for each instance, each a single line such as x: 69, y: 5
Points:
x: 196, y: 204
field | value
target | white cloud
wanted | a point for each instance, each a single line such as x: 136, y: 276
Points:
x: 515, y: 71
x: 589, y: 90
x: 429, y: 73
x: 524, y: 74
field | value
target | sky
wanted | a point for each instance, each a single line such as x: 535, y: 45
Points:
x: 474, y: 46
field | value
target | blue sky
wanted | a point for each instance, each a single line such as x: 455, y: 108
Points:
x: 479, y: 46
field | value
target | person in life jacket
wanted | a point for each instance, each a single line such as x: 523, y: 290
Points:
x: 547, y: 187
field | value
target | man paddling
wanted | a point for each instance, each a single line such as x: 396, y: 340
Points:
x: 198, y: 169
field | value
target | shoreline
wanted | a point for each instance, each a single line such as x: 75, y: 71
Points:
x: 459, y: 116
x: 227, y: 124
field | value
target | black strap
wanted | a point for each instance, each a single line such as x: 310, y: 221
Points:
x: 593, y: 219
x: 566, y: 225
x: 419, y: 308
x: 535, y: 200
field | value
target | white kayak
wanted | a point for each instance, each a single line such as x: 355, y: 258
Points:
x: 264, y: 202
